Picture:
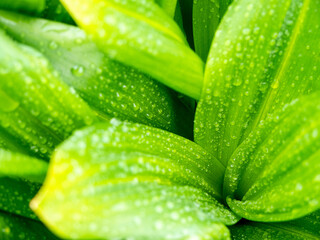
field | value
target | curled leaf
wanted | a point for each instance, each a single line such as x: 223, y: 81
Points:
x: 119, y: 180
x: 274, y: 174
x: 42, y: 110
x: 141, y: 35
x: 264, y: 61
x: 110, y: 88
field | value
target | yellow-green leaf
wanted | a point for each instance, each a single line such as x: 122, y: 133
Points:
x: 264, y: 54
x: 42, y: 110
x: 110, y: 88
x: 142, y: 35
x: 121, y: 180
x: 274, y: 175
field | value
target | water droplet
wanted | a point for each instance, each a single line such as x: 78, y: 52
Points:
x: 53, y: 45
x: 77, y: 70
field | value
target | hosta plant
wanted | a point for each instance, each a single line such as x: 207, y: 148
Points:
x: 160, y: 119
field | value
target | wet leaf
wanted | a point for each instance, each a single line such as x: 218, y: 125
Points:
x: 206, y: 16
x: 141, y: 35
x: 17, y: 227
x: 128, y: 180
x: 25, y: 6
x: 306, y: 228
x: 42, y: 110
x: 110, y: 88
x: 22, y: 166
x: 55, y: 11
x: 274, y: 174
x: 16, y: 194
x: 265, y: 60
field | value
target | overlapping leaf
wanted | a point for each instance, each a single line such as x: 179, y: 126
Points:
x: 20, y: 179
x: 38, y: 110
x: 109, y: 87
x: 275, y: 172
x: 265, y: 60
x: 206, y: 15
x: 142, y: 35
x: 22, y: 166
x: 26, y: 6
x: 306, y: 228
x: 128, y: 180
x: 16, y: 227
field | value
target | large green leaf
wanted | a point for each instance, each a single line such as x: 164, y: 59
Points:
x: 22, y: 166
x: 110, y: 88
x: 121, y: 180
x: 42, y: 110
x: 13, y: 227
x: 265, y: 60
x: 206, y: 15
x: 142, y: 35
x: 274, y: 175
x: 306, y: 228
x: 26, y: 6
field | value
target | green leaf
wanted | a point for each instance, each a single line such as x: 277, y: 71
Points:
x: 274, y: 174
x: 25, y: 6
x: 206, y: 16
x: 141, y: 35
x: 169, y: 6
x: 264, y: 61
x: 306, y: 228
x: 19, y: 165
x: 120, y: 180
x: 17, y: 227
x: 55, y: 11
x: 15, y: 195
x: 110, y: 88
x: 42, y: 110
x: 186, y: 11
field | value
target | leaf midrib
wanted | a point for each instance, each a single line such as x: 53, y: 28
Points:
x: 284, y: 63
x: 147, y: 21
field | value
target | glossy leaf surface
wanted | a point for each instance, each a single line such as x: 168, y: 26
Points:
x: 110, y: 88
x: 22, y: 166
x: 142, y: 35
x: 19, y: 228
x: 25, y: 6
x: 55, y: 11
x: 129, y: 180
x: 267, y: 59
x: 206, y: 16
x: 16, y: 194
x: 42, y: 110
x: 306, y: 228
x: 275, y: 172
